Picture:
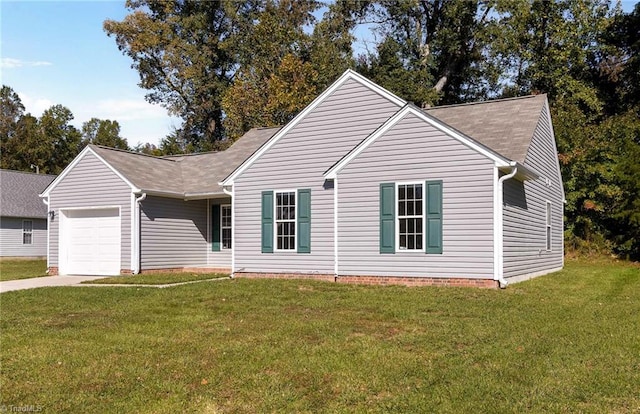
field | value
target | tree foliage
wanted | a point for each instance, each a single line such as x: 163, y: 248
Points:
x: 50, y: 142
x: 103, y: 132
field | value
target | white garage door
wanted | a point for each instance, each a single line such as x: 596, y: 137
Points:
x: 92, y: 242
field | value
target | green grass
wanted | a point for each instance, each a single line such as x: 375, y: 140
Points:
x: 157, y: 278
x: 568, y: 342
x: 11, y: 269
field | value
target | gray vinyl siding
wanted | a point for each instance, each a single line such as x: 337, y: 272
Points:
x: 525, y: 211
x: 11, y: 238
x: 173, y: 233
x: 91, y: 184
x: 425, y: 154
x: 298, y: 160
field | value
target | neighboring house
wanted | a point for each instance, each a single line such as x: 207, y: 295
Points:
x: 23, y: 215
x: 361, y: 186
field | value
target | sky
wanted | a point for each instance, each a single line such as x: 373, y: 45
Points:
x: 56, y: 52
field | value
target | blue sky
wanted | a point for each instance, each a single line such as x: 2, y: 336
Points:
x: 56, y: 52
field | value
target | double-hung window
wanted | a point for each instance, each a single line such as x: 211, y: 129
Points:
x: 285, y: 220
x: 220, y: 227
x: 410, y: 216
x: 225, y: 226
x: 27, y: 232
x: 548, y: 226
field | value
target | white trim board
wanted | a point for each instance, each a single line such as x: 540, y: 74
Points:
x: 347, y: 75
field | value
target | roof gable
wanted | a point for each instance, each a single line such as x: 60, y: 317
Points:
x: 19, y: 193
x: 89, y: 149
x: 395, y: 119
x: 345, y: 77
x: 181, y: 176
x: 504, y: 125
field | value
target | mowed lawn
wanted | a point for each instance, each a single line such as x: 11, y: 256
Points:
x: 568, y: 342
x: 11, y: 269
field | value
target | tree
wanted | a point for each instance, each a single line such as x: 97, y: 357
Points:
x: 274, y: 80
x: 180, y: 49
x: 103, y: 132
x: 59, y: 136
x: 11, y: 109
x: 436, y: 45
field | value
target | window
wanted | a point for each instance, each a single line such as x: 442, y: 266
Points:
x: 225, y: 226
x: 27, y: 232
x: 220, y: 227
x: 286, y: 220
x: 410, y: 217
x: 548, y: 226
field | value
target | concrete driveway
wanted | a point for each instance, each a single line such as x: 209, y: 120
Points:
x: 38, y: 282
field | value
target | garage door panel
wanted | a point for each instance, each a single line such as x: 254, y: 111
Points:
x: 93, y: 238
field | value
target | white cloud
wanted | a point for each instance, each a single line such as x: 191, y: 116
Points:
x: 35, y: 105
x: 127, y: 110
x: 11, y: 63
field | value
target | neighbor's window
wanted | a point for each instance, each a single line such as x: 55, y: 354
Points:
x: 286, y: 220
x: 27, y: 232
x: 410, y: 216
x: 225, y: 226
x: 548, y: 218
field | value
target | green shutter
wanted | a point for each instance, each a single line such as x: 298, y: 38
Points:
x: 215, y: 228
x: 434, y: 216
x: 267, y: 222
x: 304, y: 221
x: 387, y: 218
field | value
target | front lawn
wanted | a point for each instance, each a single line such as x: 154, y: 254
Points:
x: 11, y: 269
x: 156, y: 278
x: 568, y: 342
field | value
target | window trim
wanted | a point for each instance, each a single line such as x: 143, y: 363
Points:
x: 548, y: 228
x: 222, y: 227
x: 29, y: 232
x: 397, y: 217
x: 275, y: 221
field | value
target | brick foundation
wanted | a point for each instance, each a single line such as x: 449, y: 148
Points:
x: 418, y: 281
x: 52, y: 271
x: 378, y: 280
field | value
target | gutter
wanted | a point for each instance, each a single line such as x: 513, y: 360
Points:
x: 136, y: 238
x: 499, y: 274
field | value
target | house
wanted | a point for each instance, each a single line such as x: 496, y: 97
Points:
x: 23, y: 215
x: 360, y: 186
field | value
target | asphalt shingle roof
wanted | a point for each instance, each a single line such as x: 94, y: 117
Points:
x: 19, y: 194
x: 185, y: 174
x: 504, y: 125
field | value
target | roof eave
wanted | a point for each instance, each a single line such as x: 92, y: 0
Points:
x: 524, y: 173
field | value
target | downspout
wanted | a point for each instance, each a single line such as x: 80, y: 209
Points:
x: 136, y: 239
x: 500, y: 271
x: 233, y: 228
x: 45, y: 200
x: 335, y: 229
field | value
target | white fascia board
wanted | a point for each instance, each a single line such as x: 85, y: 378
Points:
x: 347, y: 75
x: 409, y: 109
x: 75, y: 161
